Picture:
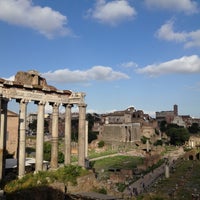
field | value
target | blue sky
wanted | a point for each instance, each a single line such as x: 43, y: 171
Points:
x: 121, y: 53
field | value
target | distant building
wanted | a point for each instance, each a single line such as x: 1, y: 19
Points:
x: 167, y: 116
x: 174, y: 118
x: 126, y: 126
x: 194, y: 141
x: 179, y: 121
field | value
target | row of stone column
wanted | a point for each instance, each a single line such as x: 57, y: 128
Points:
x: 40, y: 135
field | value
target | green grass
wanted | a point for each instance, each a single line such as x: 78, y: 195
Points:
x: 65, y: 174
x: 93, y: 154
x: 125, y: 162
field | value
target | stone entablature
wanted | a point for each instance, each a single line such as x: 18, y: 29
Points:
x: 12, y: 90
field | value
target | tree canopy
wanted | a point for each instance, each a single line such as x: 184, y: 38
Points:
x: 194, y: 128
x: 178, y: 135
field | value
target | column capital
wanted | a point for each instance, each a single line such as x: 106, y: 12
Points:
x: 54, y: 104
x: 69, y: 105
x: 40, y: 102
x: 82, y: 105
x: 25, y: 101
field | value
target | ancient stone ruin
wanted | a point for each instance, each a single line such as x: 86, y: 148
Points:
x: 31, y: 87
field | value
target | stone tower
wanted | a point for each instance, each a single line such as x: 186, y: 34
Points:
x: 175, y: 110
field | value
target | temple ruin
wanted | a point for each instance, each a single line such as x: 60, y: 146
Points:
x: 31, y: 87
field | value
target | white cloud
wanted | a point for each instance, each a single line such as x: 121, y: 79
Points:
x: 99, y: 73
x: 193, y: 39
x: 190, y: 39
x: 183, y: 65
x: 112, y: 12
x: 11, y: 78
x: 166, y: 32
x: 44, y: 20
x: 129, y: 64
x: 186, y: 6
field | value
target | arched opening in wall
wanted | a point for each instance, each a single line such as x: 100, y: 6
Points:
x: 198, y: 156
x: 191, y: 157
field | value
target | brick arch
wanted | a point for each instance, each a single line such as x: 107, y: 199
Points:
x: 191, y: 155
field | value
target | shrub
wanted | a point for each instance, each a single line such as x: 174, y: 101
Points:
x: 101, y: 144
x: 158, y: 142
x: 61, y: 157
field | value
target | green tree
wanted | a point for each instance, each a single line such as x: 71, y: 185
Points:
x: 101, y: 144
x: 178, y: 136
x: 163, y: 125
x: 90, y: 120
x: 158, y: 142
x: 74, y: 130
x: 194, y: 128
x: 92, y: 136
x: 47, y: 151
x: 33, y: 125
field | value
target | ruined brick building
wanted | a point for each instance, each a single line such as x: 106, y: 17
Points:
x: 126, y: 126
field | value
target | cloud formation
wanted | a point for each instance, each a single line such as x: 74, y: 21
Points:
x: 190, y: 39
x: 98, y: 73
x: 112, y: 12
x: 44, y: 20
x: 129, y: 64
x: 186, y: 6
x: 183, y: 65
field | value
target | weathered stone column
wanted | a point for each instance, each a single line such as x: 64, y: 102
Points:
x: 68, y: 134
x: 167, y: 168
x: 54, y: 138
x: 81, y: 135
x: 40, y: 137
x: 147, y: 144
x: 22, y: 138
x: 3, y: 131
x: 86, y: 138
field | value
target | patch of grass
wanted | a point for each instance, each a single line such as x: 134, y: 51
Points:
x: 125, y: 162
x: 65, y: 174
x: 101, y: 190
x: 93, y: 154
